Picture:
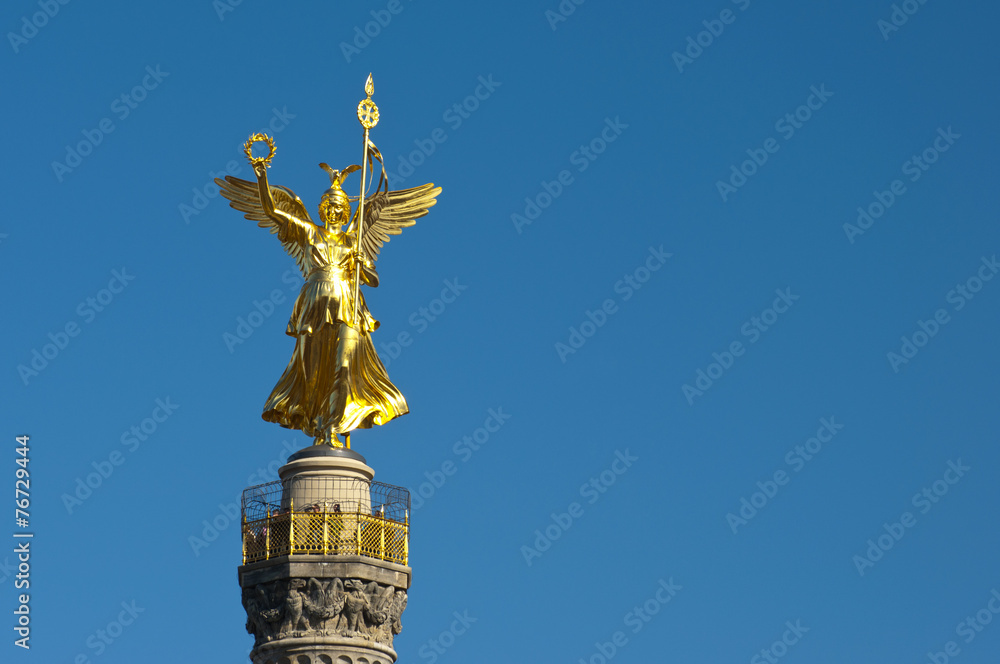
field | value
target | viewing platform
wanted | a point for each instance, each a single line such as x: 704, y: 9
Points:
x: 326, y: 515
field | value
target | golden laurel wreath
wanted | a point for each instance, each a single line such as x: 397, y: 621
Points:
x: 259, y: 138
x: 368, y: 113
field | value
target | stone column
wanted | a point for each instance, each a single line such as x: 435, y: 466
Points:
x: 324, y: 608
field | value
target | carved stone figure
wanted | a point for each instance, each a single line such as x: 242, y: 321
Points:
x: 377, y: 613
x: 324, y: 603
x: 352, y: 619
x: 295, y: 620
x: 325, y: 607
x: 398, y: 605
x: 265, y: 607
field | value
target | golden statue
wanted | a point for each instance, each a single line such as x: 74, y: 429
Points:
x: 335, y: 381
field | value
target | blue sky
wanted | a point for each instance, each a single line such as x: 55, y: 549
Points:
x: 725, y: 271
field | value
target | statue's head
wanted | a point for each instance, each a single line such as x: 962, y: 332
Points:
x: 335, y: 206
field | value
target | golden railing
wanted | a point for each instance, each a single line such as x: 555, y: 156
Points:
x: 293, y: 533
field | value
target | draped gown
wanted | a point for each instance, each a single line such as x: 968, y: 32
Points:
x: 335, y: 380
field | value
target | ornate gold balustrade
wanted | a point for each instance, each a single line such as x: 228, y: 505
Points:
x: 291, y: 532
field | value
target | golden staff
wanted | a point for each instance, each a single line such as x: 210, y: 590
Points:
x: 368, y: 116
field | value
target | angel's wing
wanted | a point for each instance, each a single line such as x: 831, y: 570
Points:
x: 295, y: 234
x: 389, y: 212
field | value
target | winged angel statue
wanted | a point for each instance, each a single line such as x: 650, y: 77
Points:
x: 335, y: 381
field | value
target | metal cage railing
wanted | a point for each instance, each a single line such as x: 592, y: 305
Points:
x: 326, y: 516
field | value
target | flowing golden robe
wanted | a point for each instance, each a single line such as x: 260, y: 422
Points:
x: 335, y: 380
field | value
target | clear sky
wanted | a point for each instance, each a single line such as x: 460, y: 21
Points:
x: 724, y: 270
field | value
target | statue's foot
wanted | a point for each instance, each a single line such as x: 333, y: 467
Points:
x: 328, y: 438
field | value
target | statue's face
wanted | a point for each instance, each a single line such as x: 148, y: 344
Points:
x: 336, y: 213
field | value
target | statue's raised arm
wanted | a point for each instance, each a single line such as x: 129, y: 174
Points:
x: 276, y: 208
